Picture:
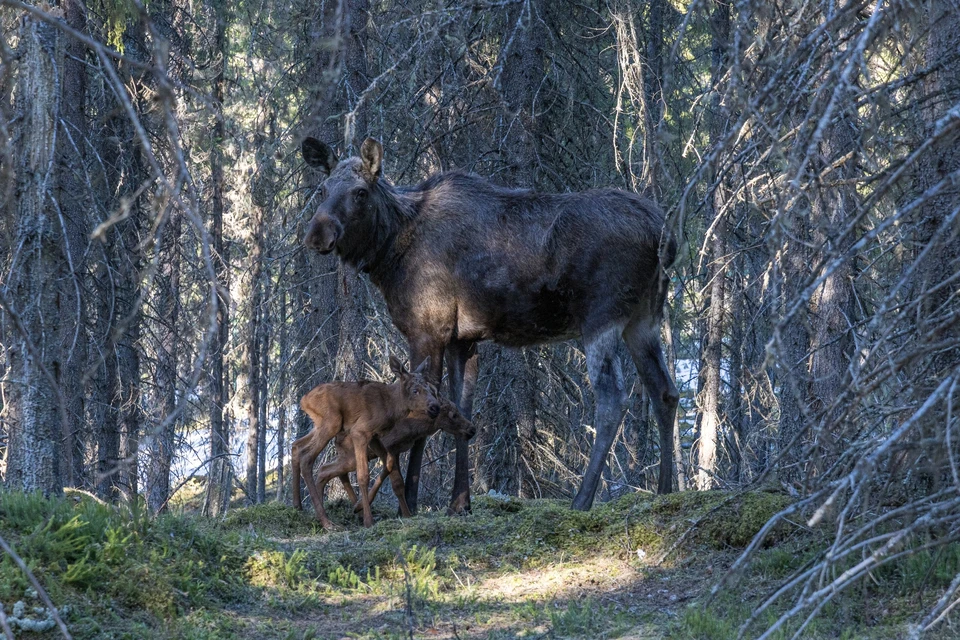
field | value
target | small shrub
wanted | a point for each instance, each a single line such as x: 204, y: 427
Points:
x: 344, y: 578
x: 276, y: 569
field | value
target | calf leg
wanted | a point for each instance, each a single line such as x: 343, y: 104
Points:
x: 348, y: 488
x: 336, y: 469
x: 391, y: 468
x: 609, y: 390
x: 306, y: 451
x: 462, y: 366
x: 643, y: 341
x: 361, y: 441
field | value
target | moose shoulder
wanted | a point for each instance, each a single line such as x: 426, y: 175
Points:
x: 459, y: 259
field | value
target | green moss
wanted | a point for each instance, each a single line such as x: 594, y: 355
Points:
x: 737, y: 522
x: 273, y: 519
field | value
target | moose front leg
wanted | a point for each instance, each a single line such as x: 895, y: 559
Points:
x: 462, y: 366
x: 419, y: 351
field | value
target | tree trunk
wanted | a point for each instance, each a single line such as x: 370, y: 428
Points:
x: 35, y: 409
x: 161, y: 449
x: 710, y: 399
x: 217, y: 499
x: 75, y: 205
x: 254, y: 426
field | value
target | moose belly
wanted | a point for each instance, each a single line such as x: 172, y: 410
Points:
x: 518, y: 317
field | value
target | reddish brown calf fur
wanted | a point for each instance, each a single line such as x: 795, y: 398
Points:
x: 362, y: 411
x: 388, y: 448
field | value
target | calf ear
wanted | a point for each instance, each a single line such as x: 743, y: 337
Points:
x: 318, y: 155
x: 396, y: 366
x: 424, y: 366
x: 371, y: 153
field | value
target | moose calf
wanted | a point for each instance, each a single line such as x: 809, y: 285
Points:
x: 362, y: 411
x: 388, y: 448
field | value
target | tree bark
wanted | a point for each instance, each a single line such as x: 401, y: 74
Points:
x: 217, y: 499
x: 160, y: 455
x: 36, y: 426
x: 710, y: 399
x: 254, y: 425
x: 74, y: 201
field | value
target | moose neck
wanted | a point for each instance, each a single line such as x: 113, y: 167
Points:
x: 373, y: 247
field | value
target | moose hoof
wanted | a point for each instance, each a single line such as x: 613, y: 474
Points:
x: 460, y: 506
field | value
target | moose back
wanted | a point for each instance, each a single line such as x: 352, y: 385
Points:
x: 459, y: 260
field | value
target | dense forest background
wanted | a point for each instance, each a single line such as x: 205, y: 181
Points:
x: 160, y: 317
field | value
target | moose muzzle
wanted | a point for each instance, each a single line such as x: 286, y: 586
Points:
x: 322, y: 233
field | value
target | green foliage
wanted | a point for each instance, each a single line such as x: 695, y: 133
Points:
x: 276, y: 568
x: 927, y: 569
x: 587, y: 619
x: 699, y: 623
x: 419, y: 572
x: 113, y: 554
x: 118, y: 13
x: 345, y: 578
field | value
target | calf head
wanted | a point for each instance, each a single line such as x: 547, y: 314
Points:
x: 453, y: 422
x: 420, y: 395
x: 347, y: 212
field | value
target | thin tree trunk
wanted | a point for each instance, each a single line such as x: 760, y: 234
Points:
x: 168, y: 308
x: 254, y: 426
x: 671, y: 352
x: 710, y: 400
x: 218, y: 483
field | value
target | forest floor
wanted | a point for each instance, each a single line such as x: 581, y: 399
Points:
x: 512, y: 569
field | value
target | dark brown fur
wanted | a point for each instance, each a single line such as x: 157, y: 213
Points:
x: 459, y: 259
x: 361, y: 411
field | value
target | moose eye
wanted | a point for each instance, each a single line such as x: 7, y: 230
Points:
x: 360, y: 195
x: 323, y: 194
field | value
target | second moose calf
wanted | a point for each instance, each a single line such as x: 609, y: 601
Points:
x: 361, y: 410
x: 388, y: 448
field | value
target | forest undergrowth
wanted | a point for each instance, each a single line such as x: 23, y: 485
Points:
x: 637, y: 567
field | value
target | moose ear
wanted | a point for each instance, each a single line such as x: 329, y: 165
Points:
x: 371, y: 153
x: 318, y: 155
x: 424, y: 366
x: 396, y: 366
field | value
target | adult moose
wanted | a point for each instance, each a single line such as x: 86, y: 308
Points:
x: 459, y: 260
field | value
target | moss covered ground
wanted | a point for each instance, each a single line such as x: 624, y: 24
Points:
x: 512, y: 569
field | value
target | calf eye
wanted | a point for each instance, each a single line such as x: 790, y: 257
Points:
x: 360, y: 195
x: 323, y: 194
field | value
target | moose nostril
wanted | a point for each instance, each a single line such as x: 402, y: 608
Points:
x: 433, y: 411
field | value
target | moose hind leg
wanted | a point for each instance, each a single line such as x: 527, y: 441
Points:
x: 609, y: 390
x: 643, y: 342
